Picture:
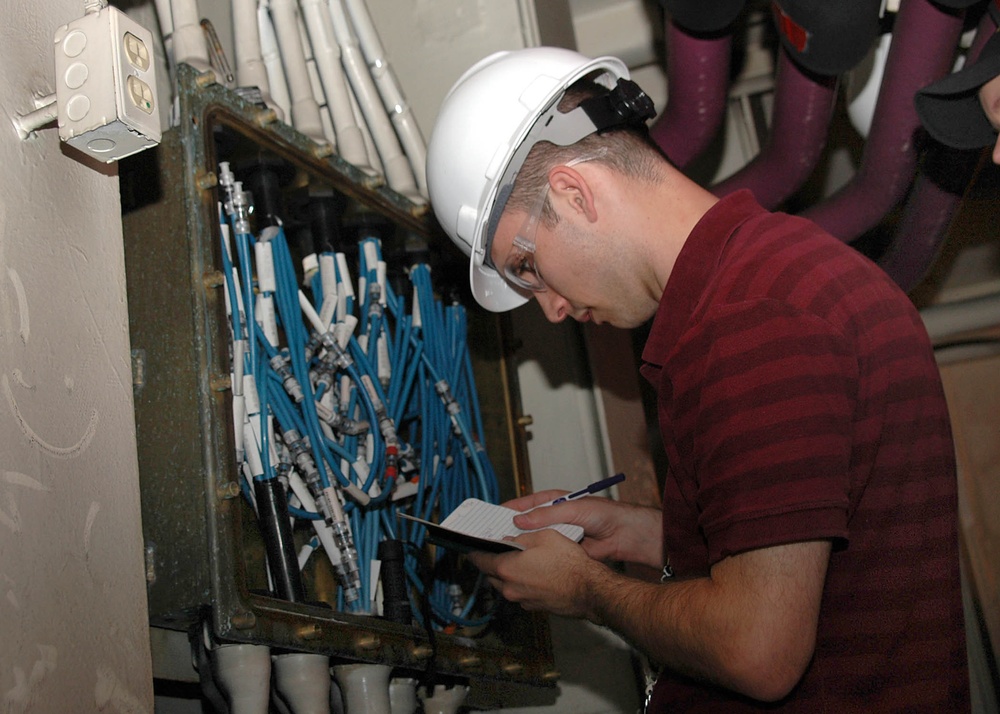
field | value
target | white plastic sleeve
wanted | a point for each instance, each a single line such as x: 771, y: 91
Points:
x: 265, y: 267
x: 264, y: 313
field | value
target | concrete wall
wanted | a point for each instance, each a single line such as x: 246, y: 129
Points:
x: 72, y: 595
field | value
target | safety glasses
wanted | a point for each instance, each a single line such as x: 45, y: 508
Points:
x: 519, y: 268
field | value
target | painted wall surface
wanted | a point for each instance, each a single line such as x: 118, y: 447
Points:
x: 73, y: 622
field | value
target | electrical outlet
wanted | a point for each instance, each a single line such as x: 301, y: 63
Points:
x: 106, y: 85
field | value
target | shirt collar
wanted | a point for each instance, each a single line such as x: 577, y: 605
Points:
x: 697, y: 261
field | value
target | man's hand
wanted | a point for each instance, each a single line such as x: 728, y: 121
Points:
x: 551, y: 574
x: 612, y: 531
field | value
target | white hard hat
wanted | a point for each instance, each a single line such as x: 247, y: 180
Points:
x: 487, y: 124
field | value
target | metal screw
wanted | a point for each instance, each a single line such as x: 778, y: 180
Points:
x: 266, y: 116
x: 206, y: 180
x: 228, y: 490
x: 310, y: 632
x: 243, y: 620
x: 205, y: 79
x: 421, y: 651
x: 213, y: 279
x: 220, y: 382
x: 323, y: 150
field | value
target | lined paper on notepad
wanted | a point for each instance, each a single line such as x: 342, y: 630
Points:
x: 478, y: 525
x: 486, y: 520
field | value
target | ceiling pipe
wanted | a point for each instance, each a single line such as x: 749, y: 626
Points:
x: 803, y: 108
x: 929, y: 211
x: 697, y: 86
x: 944, y: 177
x: 924, y: 41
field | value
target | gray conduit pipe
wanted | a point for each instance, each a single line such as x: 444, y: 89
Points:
x: 923, y: 44
x: 303, y: 681
x: 803, y: 107
x: 697, y: 82
x: 443, y: 700
x: 934, y: 200
x: 948, y: 320
x: 243, y: 673
x: 365, y: 687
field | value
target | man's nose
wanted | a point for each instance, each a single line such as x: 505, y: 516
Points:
x: 555, y: 307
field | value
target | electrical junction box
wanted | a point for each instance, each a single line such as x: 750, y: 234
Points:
x: 106, y: 85
x: 206, y: 559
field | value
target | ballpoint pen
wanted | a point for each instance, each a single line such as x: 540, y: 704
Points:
x: 595, y: 487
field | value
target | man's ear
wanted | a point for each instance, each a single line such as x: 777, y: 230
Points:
x: 569, y: 187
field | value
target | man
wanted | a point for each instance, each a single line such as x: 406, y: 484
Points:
x: 808, y: 530
x: 963, y: 109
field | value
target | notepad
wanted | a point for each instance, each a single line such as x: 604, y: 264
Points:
x: 478, y: 525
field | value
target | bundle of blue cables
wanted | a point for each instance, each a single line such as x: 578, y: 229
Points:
x: 366, y: 405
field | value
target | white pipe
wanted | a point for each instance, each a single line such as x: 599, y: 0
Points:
x: 188, y: 37
x: 366, y: 136
x: 46, y: 113
x: 397, y: 168
x: 244, y: 675
x: 305, y: 109
x: 303, y: 681
x: 951, y: 319
x: 443, y: 700
x: 250, y: 69
x: 388, y: 87
x: 271, y: 57
x: 350, y: 140
x: 365, y: 687
x: 165, y: 19
x: 403, y: 695
x: 315, y: 82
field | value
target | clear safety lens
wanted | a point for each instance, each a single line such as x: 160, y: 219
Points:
x: 519, y: 268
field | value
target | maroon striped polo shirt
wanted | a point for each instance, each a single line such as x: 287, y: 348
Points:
x: 799, y: 399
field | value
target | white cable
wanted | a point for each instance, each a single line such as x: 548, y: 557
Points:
x: 350, y: 140
x: 165, y: 17
x: 188, y: 37
x: 250, y: 69
x: 310, y: 313
x: 397, y: 168
x: 315, y: 82
x: 304, y: 108
x: 366, y: 135
x: 271, y: 57
x: 388, y: 87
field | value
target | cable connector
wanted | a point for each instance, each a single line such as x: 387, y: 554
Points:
x: 300, y: 450
x: 341, y: 423
x: 280, y: 364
